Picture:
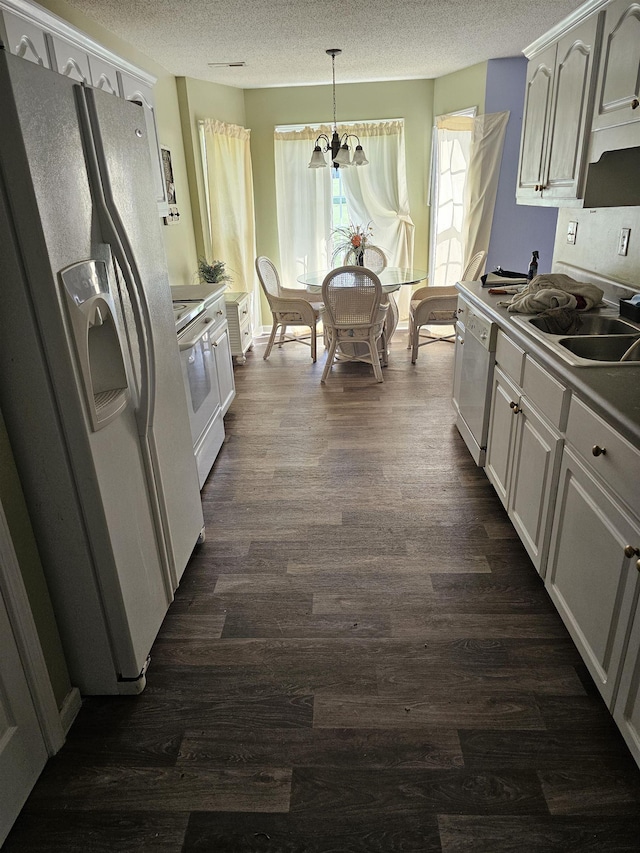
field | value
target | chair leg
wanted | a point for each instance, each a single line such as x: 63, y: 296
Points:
x: 410, y: 338
x: 282, y: 334
x: 415, y: 343
x: 272, y: 338
x: 375, y: 358
x: 314, y: 343
x: 330, y: 356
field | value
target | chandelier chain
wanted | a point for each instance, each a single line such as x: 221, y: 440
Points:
x: 333, y: 66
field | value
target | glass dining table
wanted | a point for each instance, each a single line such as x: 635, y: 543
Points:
x: 391, y: 279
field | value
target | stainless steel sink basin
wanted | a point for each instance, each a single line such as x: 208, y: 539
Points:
x: 601, y: 340
x: 607, y: 348
x: 594, y: 324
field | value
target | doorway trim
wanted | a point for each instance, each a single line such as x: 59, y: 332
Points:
x: 28, y: 642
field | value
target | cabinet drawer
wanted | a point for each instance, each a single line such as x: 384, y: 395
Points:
x: 510, y: 357
x: 618, y: 465
x: 218, y: 312
x: 549, y: 395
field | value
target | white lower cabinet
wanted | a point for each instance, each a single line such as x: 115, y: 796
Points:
x: 224, y: 367
x: 523, y: 454
x: 592, y: 576
x: 626, y: 710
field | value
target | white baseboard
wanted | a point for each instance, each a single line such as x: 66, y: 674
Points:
x: 70, y: 707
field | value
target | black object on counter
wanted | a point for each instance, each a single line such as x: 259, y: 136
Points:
x: 533, y: 266
x: 629, y: 310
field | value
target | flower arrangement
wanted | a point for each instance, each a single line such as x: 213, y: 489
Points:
x: 350, y: 239
x: 211, y: 273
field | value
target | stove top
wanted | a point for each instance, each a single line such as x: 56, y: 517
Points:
x: 185, y: 310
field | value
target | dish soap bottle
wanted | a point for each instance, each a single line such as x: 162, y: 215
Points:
x: 533, y: 266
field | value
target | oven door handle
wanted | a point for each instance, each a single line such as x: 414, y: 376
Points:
x: 191, y: 342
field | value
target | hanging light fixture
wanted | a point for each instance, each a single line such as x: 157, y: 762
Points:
x: 337, y: 145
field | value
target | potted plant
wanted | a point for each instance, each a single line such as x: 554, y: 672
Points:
x: 212, y: 273
x: 351, y: 241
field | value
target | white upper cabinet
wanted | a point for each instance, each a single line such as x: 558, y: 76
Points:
x: 24, y: 38
x: 616, y: 117
x: 35, y: 34
x: 557, y: 117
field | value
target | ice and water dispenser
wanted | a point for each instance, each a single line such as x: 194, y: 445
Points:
x: 98, y: 343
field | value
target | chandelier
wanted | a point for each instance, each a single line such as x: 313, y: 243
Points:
x: 337, y: 145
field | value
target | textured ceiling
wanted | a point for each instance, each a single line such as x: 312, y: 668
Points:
x: 283, y: 42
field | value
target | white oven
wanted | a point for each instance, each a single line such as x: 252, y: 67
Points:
x: 207, y: 371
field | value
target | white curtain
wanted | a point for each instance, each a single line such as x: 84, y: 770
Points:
x: 303, y: 199
x: 377, y: 193
x: 229, y: 189
x: 487, y: 142
x: 468, y: 151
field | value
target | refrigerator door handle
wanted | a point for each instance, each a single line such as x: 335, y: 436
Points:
x: 115, y: 234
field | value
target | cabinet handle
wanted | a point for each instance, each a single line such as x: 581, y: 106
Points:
x: 460, y: 310
x: 635, y: 103
x: 630, y: 551
x: 219, y: 313
x: 515, y: 408
x: 598, y: 451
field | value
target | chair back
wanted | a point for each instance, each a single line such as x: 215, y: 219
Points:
x: 373, y: 258
x: 472, y: 270
x: 268, y: 276
x: 351, y: 297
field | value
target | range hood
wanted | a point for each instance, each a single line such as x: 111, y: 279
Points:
x: 614, y: 181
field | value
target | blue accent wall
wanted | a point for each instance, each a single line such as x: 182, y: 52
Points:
x: 517, y: 229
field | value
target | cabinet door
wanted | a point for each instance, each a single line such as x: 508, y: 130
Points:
x: 626, y: 711
x: 502, y: 430
x: 619, y: 77
x: 25, y: 39
x: 224, y: 367
x: 534, y: 470
x: 134, y: 90
x: 104, y: 76
x: 570, y: 123
x: 590, y: 579
x: 70, y: 60
x: 535, y: 121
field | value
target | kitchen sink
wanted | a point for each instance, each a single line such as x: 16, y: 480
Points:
x: 607, y: 348
x: 594, y: 324
x: 601, y: 341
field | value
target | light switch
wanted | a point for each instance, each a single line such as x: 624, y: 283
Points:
x: 572, y: 230
x: 623, y: 245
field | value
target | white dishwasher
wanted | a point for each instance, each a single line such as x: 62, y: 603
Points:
x: 476, y: 378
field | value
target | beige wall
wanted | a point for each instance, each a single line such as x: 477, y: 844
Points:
x: 460, y: 90
x: 596, y: 246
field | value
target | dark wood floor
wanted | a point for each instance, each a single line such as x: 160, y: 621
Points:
x: 360, y: 657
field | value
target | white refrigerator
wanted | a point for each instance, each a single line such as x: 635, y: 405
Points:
x: 91, y: 386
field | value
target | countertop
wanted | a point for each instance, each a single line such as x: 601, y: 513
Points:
x: 613, y: 392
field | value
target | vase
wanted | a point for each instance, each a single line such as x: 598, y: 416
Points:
x: 360, y: 257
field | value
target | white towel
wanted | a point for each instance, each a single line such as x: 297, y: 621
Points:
x: 554, y: 290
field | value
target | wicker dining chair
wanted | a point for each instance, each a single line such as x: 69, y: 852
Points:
x: 289, y: 307
x: 436, y: 306
x: 353, y: 317
x: 373, y: 258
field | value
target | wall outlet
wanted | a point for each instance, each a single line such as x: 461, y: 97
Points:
x: 623, y: 244
x: 572, y: 230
